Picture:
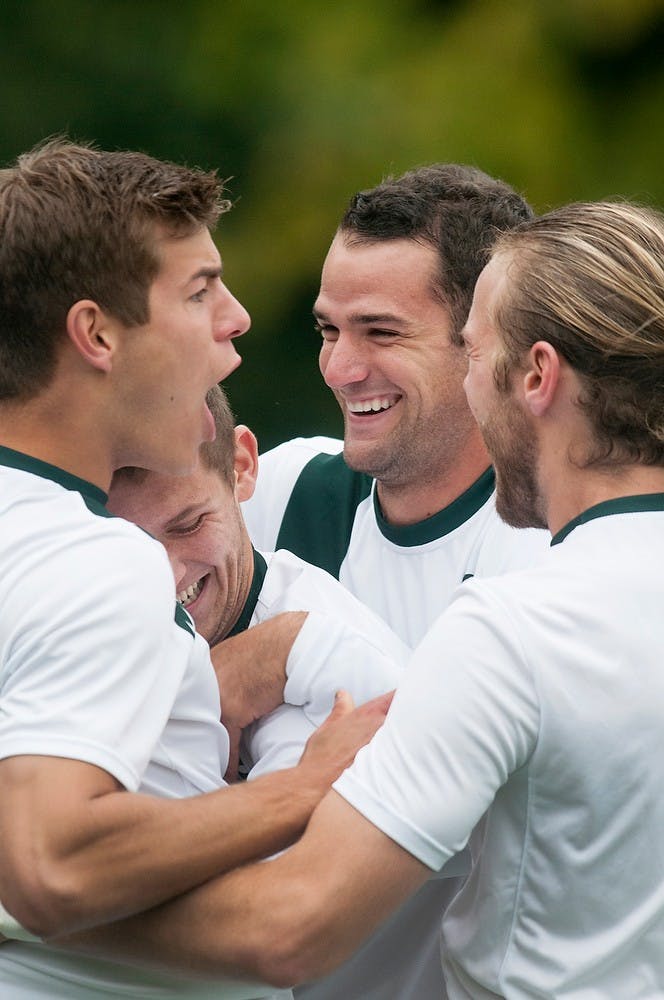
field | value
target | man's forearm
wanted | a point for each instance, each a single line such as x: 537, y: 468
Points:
x: 131, y: 852
x: 109, y: 855
x: 251, y: 667
x: 281, y: 921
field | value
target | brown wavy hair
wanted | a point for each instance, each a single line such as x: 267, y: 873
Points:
x: 80, y: 223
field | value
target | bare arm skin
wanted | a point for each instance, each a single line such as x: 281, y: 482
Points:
x: 78, y: 851
x: 251, y: 668
x: 284, y: 921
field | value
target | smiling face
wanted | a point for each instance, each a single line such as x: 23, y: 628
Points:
x: 387, y: 356
x: 197, y: 519
x: 507, y: 430
x: 166, y: 366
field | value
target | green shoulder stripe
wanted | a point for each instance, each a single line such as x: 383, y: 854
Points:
x: 318, y: 520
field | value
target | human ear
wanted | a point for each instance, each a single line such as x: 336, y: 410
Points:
x: 246, y: 462
x: 89, y: 330
x: 542, y: 377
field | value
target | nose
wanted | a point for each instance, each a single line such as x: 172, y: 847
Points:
x: 343, y: 362
x: 232, y: 318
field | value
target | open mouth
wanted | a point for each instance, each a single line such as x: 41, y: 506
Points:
x: 191, y: 593
x: 379, y: 404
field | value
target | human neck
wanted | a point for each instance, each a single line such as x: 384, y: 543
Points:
x: 54, y: 432
x: 243, y: 584
x: 580, y: 489
x: 416, y: 500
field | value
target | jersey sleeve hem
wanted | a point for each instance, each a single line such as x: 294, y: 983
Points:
x: 79, y: 750
x: 412, y: 839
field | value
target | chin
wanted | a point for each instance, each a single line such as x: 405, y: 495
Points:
x: 519, y: 509
x: 363, y: 457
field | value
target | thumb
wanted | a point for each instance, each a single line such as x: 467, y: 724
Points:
x: 343, y: 705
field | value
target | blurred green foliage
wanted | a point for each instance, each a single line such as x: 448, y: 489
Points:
x: 302, y: 104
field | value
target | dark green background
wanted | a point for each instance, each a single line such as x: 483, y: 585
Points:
x: 303, y: 103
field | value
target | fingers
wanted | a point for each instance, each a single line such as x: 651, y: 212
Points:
x: 380, y: 704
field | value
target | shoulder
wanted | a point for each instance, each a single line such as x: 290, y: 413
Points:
x: 278, y: 473
x: 298, y: 451
x: 84, y: 557
x: 307, y: 501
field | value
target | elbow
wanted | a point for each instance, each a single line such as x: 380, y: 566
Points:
x: 47, y: 901
x: 294, y: 951
x: 283, y: 967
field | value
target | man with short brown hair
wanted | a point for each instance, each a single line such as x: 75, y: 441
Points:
x: 114, y: 324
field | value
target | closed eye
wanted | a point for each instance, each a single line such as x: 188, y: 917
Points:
x: 388, y: 334
x: 328, y: 333
x: 189, y: 528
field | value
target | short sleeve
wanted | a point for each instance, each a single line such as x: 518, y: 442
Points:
x: 464, y: 718
x: 92, y: 663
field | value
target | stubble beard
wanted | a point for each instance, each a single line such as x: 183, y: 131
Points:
x: 385, y: 460
x: 513, y: 450
x: 413, y: 456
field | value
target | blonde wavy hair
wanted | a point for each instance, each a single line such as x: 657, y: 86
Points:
x: 589, y: 279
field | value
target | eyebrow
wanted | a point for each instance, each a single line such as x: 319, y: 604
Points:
x: 364, y: 319
x: 207, y: 272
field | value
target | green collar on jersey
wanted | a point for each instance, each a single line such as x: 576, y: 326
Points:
x: 621, y: 505
x: 18, y: 460
x: 444, y: 521
x: 260, y: 569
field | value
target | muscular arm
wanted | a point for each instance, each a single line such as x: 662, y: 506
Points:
x: 284, y: 921
x: 77, y: 851
x: 251, y: 668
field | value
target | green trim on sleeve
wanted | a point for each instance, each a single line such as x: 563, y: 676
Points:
x: 318, y: 520
x: 620, y: 505
x: 260, y: 569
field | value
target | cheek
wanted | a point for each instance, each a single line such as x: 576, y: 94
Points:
x: 182, y: 554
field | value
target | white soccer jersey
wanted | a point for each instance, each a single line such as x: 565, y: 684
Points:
x: 341, y: 645
x: 308, y: 501
x: 537, y: 701
x: 95, y: 667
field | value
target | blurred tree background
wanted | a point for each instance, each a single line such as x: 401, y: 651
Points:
x: 300, y: 104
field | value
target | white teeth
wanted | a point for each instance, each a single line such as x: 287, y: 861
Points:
x: 186, y: 597
x: 370, y: 405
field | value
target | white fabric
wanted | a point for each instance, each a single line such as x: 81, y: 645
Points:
x: 408, y: 586
x: 90, y: 656
x: 341, y: 645
x: 93, y: 667
x: 537, y: 701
